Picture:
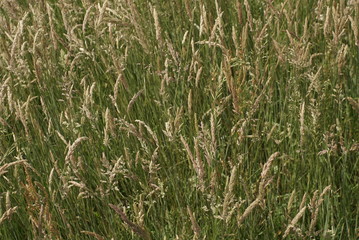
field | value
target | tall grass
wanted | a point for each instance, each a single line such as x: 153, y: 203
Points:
x: 233, y: 119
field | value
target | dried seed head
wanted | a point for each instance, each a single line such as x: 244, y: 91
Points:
x: 290, y: 202
x: 302, y: 126
x: 198, y: 165
x: 73, y: 147
x: 249, y: 14
x: 186, y: 146
x: 195, y: 227
x: 7, y: 200
x: 302, y: 203
x: 133, y: 100
x: 294, y: 222
x: 189, y: 101
x: 93, y: 234
x: 9, y: 212
x: 140, y: 231
x: 84, y: 22
x: 354, y: 25
x: 188, y: 10
x: 326, y: 22
x: 100, y: 16
x: 228, y: 198
x: 157, y: 27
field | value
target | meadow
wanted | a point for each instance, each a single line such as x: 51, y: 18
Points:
x: 183, y: 119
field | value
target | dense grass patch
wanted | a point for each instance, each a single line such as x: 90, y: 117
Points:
x: 233, y: 119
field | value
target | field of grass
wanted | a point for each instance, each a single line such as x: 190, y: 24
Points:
x: 184, y: 119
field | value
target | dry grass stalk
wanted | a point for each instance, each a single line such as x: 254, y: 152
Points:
x: 153, y: 135
x: 214, y: 183
x: 315, y: 204
x: 7, y: 200
x: 249, y: 14
x: 201, y: 26
x: 305, y: 35
x: 80, y: 185
x: 93, y: 234
x: 261, y: 190
x: 73, y: 147
x: 302, y: 126
x: 47, y: 114
x: 166, y: 76
x: 21, y: 114
x: 9, y: 212
x: 52, y: 27
x: 157, y: 27
x: 86, y: 17
x: 290, y: 201
x: 139, y: 210
x: 135, y: 19
x: 239, y: 12
x: 230, y: 82
x: 121, y: 78
x: 240, y: 131
x: 314, y: 83
x: 40, y: 219
x: 354, y: 103
x: 234, y: 209
x: 10, y: 100
x: 189, y: 102
x: 203, y: 21
x: 4, y: 123
x: 198, y: 76
x: 65, y: 22
x: 248, y: 210
x: 295, y: 220
x: 196, y: 162
x: 343, y: 51
x: 131, y: 129
x: 212, y: 43
x: 199, y: 165
x: 304, y: 199
x: 244, y: 37
x: 172, y: 51
x: 51, y: 177
x: 220, y: 22
x: 107, y: 126
x: 16, y: 41
x: 228, y: 197
x: 265, y: 173
x: 186, y: 146
x: 7, y: 165
x: 280, y: 50
x: 115, y: 92
x: 140, y: 231
x: 269, y: 135
x: 185, y: 35
x: 214, y: 30
x: 62, y: 138
x: 355, y: 29
x: 195, y: 227
x: 2, y: 90
x: 133, y: 100
x: 100, y: 17
x: 37, y: 201
x: 326, y: 22
x: 213, y: 135
x: 188, y: 10
x: 235, y: 41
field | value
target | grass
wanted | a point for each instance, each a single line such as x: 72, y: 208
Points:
x: 233, y: 119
